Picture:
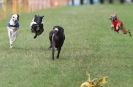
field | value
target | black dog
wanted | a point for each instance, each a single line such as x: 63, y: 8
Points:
x: 37, y: 25
x: 56, y: 37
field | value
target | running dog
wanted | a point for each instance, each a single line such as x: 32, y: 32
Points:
x: 37, y: 25
x: 12, y: 28
x: 97, y: 82
x: 118, y: 25
x: 56, y: 37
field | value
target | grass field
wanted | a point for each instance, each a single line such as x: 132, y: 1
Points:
x: 90, y: 46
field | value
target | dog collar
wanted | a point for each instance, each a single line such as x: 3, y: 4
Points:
x: 16, y: 25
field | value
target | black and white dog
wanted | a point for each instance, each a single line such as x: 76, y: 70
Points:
x: 12, y: 28
x: 56, y: 37
x: 37, y: 25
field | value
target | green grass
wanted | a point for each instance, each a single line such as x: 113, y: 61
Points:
x: 90, y: 46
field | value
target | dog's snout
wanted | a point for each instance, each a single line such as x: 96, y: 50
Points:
x: 16, y: 21
x: 55, y: 31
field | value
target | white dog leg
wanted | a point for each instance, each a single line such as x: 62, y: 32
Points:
x: 10, y: 37
x: 14, y: 35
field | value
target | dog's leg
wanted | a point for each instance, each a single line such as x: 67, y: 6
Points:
x: 50, y: 45
x: 53, y: 46
x: 35, y: 36
x: 50, y: 41
x: 112, y: 26
x: 59, y: 49
x: 129, y: 33
x: 14, y: 35
x: 10, y: 36
x: 53, y: 52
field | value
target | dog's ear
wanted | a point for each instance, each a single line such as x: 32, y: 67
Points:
x: 18, y: 16
x: 35, y: 16
x: 110, y: 18
x: 42, y: 16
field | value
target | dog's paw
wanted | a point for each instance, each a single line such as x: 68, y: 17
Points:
x: 11, y: 46
x: 35, y: 37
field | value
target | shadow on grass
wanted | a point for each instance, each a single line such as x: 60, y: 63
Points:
x: 31, y: 49
x: 25, y: 49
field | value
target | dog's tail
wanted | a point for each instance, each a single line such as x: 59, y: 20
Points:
x: 53, y: 46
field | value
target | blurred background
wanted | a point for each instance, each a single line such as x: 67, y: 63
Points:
x: 17, y: 6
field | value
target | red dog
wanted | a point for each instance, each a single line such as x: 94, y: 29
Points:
x: 118, y: 25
